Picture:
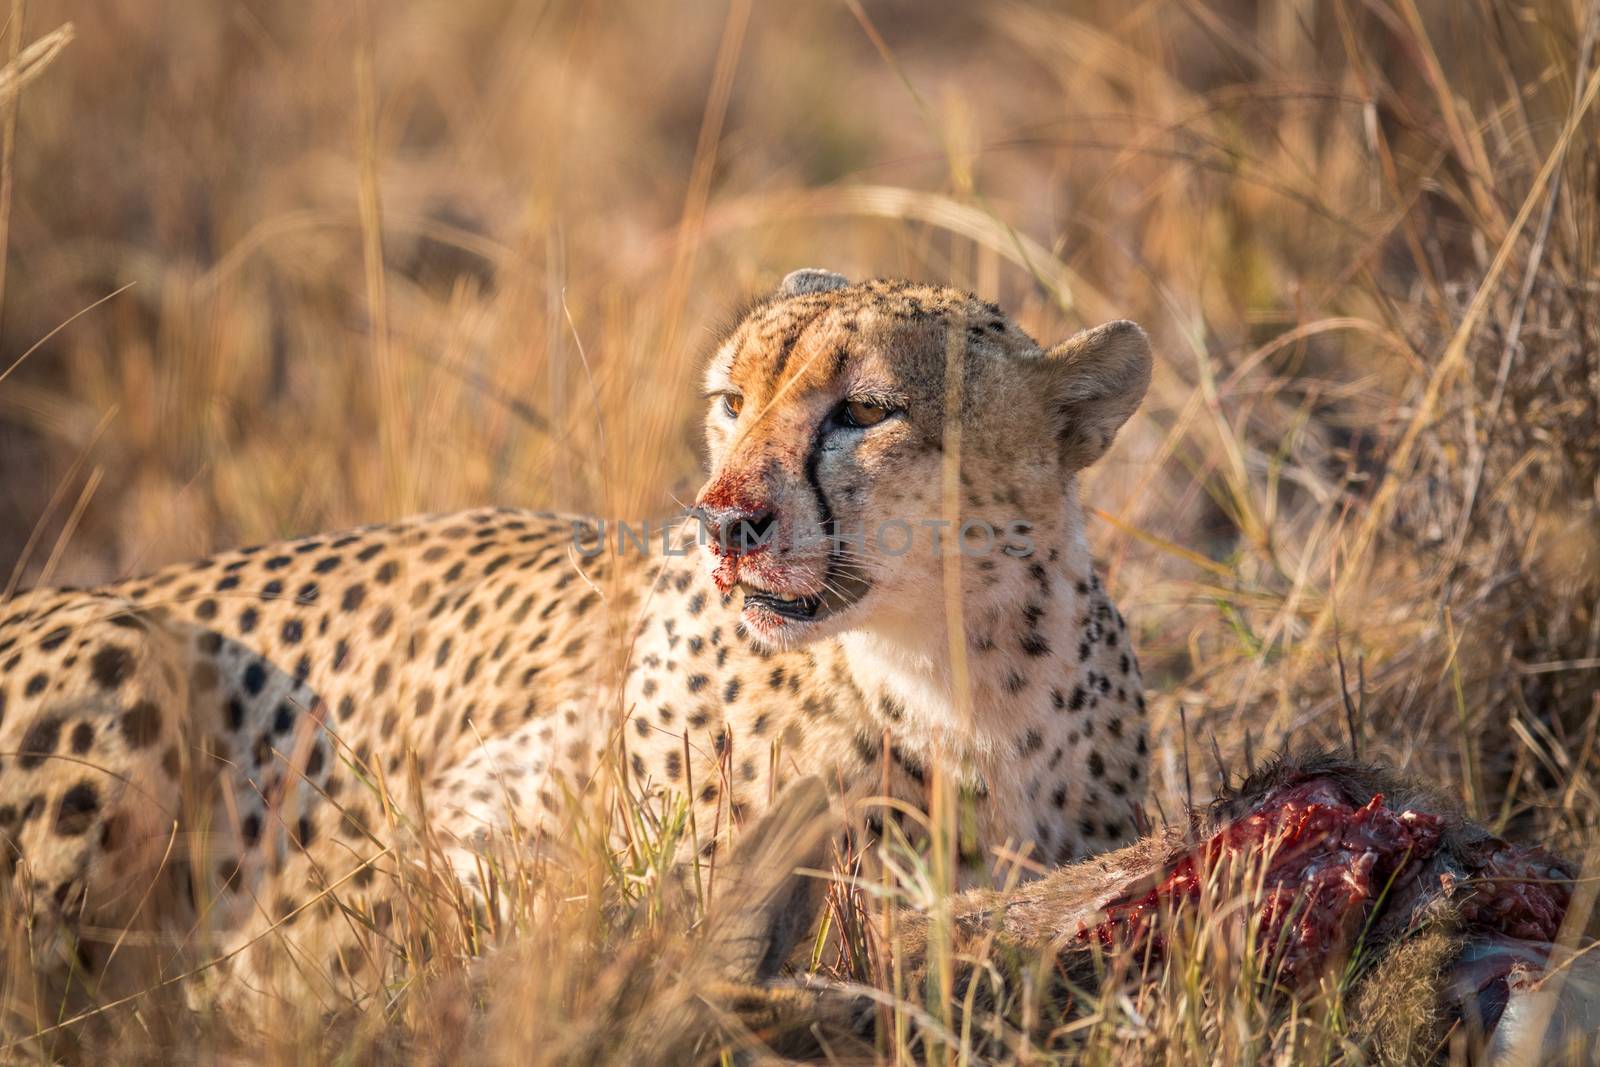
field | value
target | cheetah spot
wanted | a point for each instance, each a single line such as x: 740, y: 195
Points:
x: 141, y: 724
x: 39, y: 743
x: 76, y: 812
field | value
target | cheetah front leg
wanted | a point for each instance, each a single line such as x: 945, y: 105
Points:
x: 513, y: 805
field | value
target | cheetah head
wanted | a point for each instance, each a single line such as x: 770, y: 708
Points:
x: 831, y: 504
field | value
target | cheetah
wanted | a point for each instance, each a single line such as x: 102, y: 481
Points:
x: 261, y: 724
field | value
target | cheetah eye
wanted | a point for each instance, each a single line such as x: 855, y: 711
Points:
x: 732, y: 404
x: 859, y: 414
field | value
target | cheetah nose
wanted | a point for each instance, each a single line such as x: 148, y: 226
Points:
x: 733, y: 531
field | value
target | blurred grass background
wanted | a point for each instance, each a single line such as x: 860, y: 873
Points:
x: 370, y: 259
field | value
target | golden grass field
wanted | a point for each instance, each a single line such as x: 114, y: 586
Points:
x: 273, y: 268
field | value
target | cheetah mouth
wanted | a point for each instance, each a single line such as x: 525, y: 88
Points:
x: 794, y: 608
x: 771, y: 610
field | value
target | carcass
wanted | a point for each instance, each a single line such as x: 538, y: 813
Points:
x: 1329, y: 873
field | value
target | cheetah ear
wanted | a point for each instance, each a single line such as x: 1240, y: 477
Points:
x: 811, y: 280
x: 1096, y: 379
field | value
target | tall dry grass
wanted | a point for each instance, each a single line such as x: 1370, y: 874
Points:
x: 343, y: 262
